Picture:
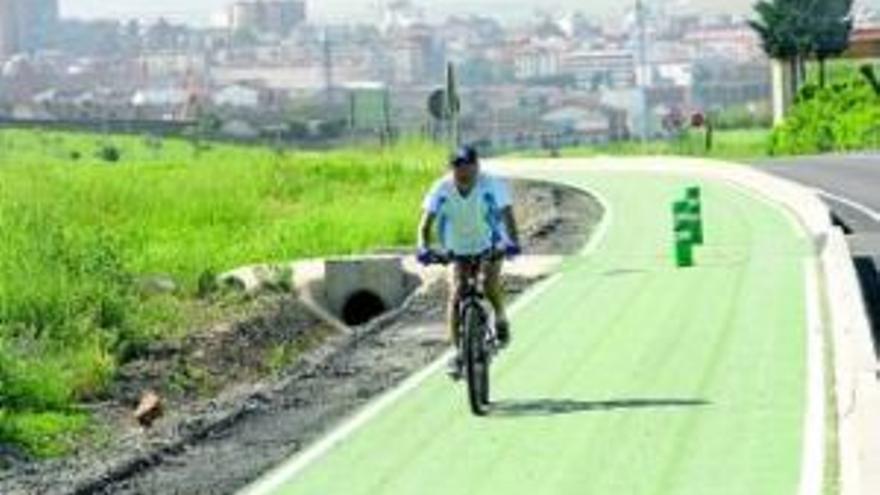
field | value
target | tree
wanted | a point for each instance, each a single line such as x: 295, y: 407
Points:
x: 793, y: 30
x: 833, y: 32
x: 782, y: 31
x: 776, y: 27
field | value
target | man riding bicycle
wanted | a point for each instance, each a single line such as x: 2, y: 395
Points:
x: 473, y: 213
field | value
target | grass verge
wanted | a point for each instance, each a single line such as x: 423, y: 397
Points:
x: 86, y: 232
x: 728, y: 145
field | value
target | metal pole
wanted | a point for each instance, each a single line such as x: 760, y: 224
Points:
x: 328, y: 69
x: 642, y: 73
x: 452, y: 105
x: 386, y: 115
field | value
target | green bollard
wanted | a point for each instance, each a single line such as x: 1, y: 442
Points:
x: 697, y: 227
x: 695, y: 207
x: 684, y: 249
x: 680, y: 210
x: 680, y: 216
x: 683, y: 227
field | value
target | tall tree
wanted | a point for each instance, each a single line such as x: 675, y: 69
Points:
x: 778, y: 25
x: 794, y: 30
x: 833, y: 29
x: 775, y: 24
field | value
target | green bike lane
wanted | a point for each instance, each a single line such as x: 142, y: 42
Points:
x: 627, y: 375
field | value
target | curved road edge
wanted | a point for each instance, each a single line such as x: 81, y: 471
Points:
x: 843, y: 311
x: 832, y: 288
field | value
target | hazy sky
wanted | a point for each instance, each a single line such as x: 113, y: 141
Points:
x: 201, y: 10
x: 336, y: 9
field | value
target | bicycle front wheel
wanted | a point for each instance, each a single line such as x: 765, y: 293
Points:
x: 476, y: 360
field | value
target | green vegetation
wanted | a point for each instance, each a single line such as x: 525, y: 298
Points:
x: 744, y: 117
x: 839, y: 70
x: 839, y: 117
x: 728, y: 144
x: 84, y: 227
x: 796, y: 30
x: 44, y: 434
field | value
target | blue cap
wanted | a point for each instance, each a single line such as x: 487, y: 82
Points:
x: 465, y: 155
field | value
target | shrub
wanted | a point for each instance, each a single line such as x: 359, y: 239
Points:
x: 840, y: 117
x: 109, y: 153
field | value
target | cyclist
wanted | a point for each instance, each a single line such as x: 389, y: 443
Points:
x: 473, y: 212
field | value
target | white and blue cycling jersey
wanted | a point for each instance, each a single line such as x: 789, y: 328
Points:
x: 472, y: 224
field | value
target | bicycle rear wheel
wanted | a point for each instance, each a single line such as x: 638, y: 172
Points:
x: 476, y: 359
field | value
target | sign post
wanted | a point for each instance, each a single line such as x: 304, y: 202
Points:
x: 453, y: 105
x: 444, y: 105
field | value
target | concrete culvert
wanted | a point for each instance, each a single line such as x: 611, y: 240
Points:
x: 361, y: 307
x: 358, y: 289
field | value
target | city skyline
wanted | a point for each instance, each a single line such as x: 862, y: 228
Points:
x: 201, y: 11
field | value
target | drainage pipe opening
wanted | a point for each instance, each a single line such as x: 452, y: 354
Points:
x: 361, y: 307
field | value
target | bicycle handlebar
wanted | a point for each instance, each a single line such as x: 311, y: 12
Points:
x: 449, y: 258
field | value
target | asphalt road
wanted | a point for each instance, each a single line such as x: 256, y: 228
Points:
x: 851, y: 186
x: 855, y: 178
x: 627, y: 375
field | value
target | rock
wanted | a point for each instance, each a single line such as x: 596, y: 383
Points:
x: 149, y: 409
x: 11, y: 456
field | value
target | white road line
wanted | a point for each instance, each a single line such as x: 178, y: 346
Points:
x: 286, y: 473
x: 870, y: 213
x: 794, y: 221
x: 813, y: 454
x: 813, y: 445
x: 601, y: 231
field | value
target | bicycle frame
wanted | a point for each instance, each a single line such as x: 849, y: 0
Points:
x: 472, y: 295
x: 477, y: 340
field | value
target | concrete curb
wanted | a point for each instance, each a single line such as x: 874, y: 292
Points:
x: 855, y: 367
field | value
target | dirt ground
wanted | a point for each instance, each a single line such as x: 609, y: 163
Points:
x: 245, y: 395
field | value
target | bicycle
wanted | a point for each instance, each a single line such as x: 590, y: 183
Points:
x: 477, y: 339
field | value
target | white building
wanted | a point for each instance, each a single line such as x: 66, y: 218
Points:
x: 605, y: 68
x: 238, y: 96
x: 579, y: 119
x: 160, y: 97
x: 267, y: 16
x: 164, y: 64
x: 417, y: 56
x: 400, y: 15
x: 673, y: 74
x: 740, y: 43
x: 536, y: 62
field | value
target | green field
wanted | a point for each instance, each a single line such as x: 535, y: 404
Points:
x: 728, y: 144
x: 79, y: 234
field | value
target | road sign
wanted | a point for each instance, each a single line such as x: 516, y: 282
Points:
x: 437, y: 105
